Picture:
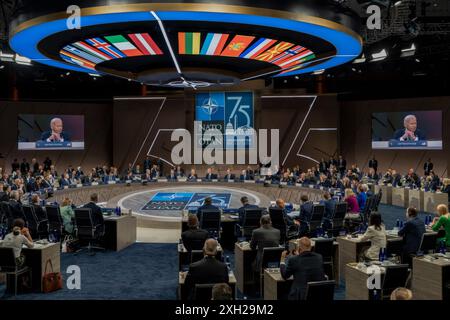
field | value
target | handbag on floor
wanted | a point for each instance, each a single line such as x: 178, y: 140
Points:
x: 51, y: 281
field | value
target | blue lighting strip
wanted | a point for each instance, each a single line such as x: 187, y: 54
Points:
x: 347, y: 47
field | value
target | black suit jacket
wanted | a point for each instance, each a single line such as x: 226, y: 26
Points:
x: 45, y: 135
x: 205, y: 207
x: 306, y: 267
x: 373, y: 164
x: 97, y: 215
x: 207, y: 270
x: 230, y: 176
x: 16, y: 209
x: 211, y: 176
x: 4, y: 196
x: 189, y: 237
x: 412, y: 232
x: 263, y: 238
x: 400, y: 132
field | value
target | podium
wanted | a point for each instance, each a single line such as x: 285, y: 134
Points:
x: 400, y: 197
x: 432, y: 199
x: 416, y: 197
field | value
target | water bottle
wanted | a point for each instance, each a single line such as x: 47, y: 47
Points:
x: 442, y: 248
x: 120, y: 211
x: 398, y: 223
x: 426, y: 220
x: 401, y: 224
x: 430, y: 219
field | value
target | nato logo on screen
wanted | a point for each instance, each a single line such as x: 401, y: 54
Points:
x: 210, y: 106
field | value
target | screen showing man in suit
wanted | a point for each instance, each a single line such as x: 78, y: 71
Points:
x: 407, y: 130
x: 50, y: 132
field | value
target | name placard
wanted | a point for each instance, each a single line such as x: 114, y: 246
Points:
x: 249, y: 181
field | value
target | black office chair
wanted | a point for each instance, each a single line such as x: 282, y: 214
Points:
x: 325, y: 247
x: 394, y: 277
x: 428, y: 243
x: 55, y: 221
x: 203, y: 292
x: 368, y: 208
x: 7, y: 215
x: 31, y: 220
x: 320, y: 291
x: 270, y: 258
x: 377, y: 201
x: 210, y: 221
x: 338, y: 218
x: 251, y: 222
x: 316, y: 217
x: 394, y: 247
x: 8, y: 265
x: 279, y: 222
x: 87, y: 230
x: 195, y: 244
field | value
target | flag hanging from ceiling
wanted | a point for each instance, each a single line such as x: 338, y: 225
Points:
x: 274, y: 51
x: 287, y: 54
x: 300, y: 58
x: 69, y: 57
x: 237, y: 45
x: 92, y: 50
x: 105, y: 47
x: 82, y: 54
x: 257, y: 48
x: 124, y: 45
x: 214, y: 44
x: 189, y: 42
x: 145, y: 43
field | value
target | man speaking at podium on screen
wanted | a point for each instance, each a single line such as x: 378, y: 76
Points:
x: 56, y: 134
x: 410, y: 132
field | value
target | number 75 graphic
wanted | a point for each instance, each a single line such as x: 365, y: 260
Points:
x: 239, y: 108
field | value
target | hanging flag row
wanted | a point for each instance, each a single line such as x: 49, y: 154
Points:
x: 92, y: 51
x: 283, y: 54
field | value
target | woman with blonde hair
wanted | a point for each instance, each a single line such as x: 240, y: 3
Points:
x: 442, y: 221
x: 352, y: 202
x: 67, y: 215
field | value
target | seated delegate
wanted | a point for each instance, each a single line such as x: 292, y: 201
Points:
x: 376, y: 234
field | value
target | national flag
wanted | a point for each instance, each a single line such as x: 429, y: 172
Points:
x: 124, y: 45
x: 274, y: 51
x: 92, y: 50
x: 237, y: 45
x: 82, y: 54
x: 71, y: 58
x: 189, y: 42
x: 287, y: 54
x: 214, y: 44
x: 145, y: 43
x: 300, y: 58
x: 259, y: 47
x: 105, y: 47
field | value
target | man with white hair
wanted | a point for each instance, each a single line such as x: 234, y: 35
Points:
x: 410, y: 131
x: 56, y: 134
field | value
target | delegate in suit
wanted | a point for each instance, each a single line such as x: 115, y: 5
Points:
x: 56, y: 134
x: 410, y: 131
x: 264, y: 237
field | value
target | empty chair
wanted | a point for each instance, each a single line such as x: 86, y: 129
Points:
x: 86, y: 230
x: 316, y: 217
x: 279, y: 222
x: 251, y: 221
x: 394, y: 247
x: 394, y: 277
x: 339, y: 217
x: 428, y: 243
x: 31, y: 220
x: 55, y: 221
x: 8, y: 265
x: 203, y: 292
x: 325, y: 247
x: 320, y: 290
x: 210, y: 221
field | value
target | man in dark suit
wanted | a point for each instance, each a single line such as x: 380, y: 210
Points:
x: 56, y: 133
x: 245, y: 176
x: 373, y: 163
x: 210, y: 175
x: 306, y: 209
x: 96, y: 211
x: 330, y: 206
x: 411, y: 232
x: 264, y: 237
x: 245, y: 205
x: 323, y: 165
x: 147, y: 163
x: 427, y: 167
x: 342, y: 165
x: 207, y: 270
x: 172, y: 176
x: 410, y: 131
x: 3, y: 195
x: 194, y: 238
x: 229, y: 176
x: 207, y: 205
x: 24, y: 167
x: 15, y: 205
x: 305, y: 266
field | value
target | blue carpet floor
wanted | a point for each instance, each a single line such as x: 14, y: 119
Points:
x: 141, y: 271
x: 145, y: 271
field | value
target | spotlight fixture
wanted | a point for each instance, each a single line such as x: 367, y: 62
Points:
x: 7, y: 57
x: 361, y: 59
x: 408, y: 52
x: 2, y: 67
x: 22, y: 60
x: 396, y: 4
x: 318, y: 72
x: 379, y: 56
